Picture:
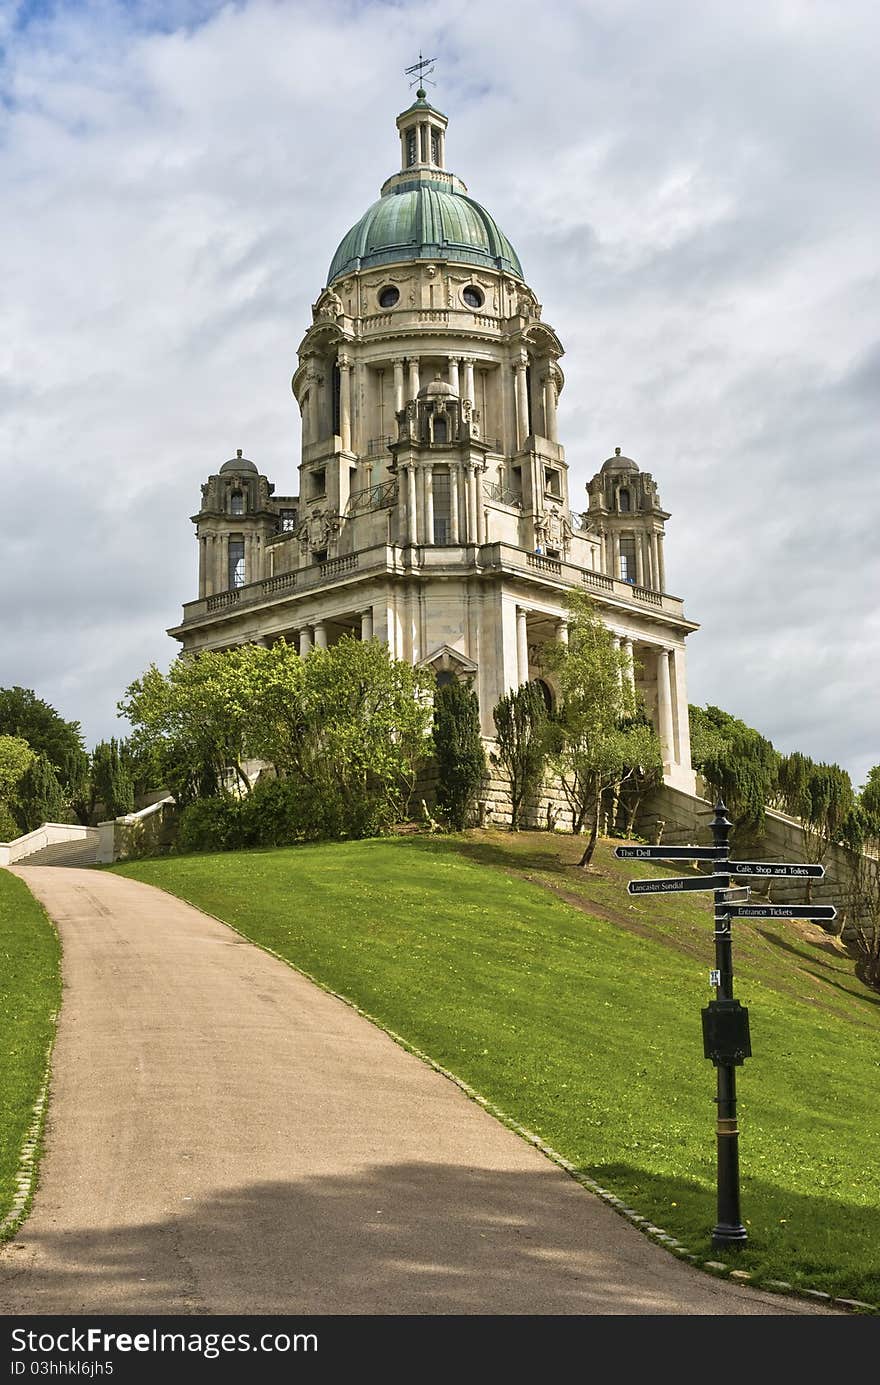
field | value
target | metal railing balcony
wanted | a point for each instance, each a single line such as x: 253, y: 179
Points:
x: 502, y: 495
x: 380, y: 497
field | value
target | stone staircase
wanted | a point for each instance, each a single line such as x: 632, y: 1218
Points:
x: 53, y: 844
x: 63, y: 854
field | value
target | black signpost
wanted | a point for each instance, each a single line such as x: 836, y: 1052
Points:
x: 726, y: 1039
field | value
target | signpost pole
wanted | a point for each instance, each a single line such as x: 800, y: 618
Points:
x: 729, y: 1230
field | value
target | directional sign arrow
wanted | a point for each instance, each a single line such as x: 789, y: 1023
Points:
x: 739, y: 892
x: 635, y: 852
x: 677, y: 884
x: 781, y: 911
x: 775, y: 869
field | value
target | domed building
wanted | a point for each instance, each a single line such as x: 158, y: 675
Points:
x: 433, y: 507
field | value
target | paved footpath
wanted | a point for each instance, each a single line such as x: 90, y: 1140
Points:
x: 224, y: 1137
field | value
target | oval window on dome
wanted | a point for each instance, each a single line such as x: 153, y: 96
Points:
x: 472, y: 296
x: 388, y: 297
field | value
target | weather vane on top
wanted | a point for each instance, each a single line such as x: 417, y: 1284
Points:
x: 421, y: 70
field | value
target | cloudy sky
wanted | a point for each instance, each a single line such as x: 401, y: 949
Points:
x: 692, y: 188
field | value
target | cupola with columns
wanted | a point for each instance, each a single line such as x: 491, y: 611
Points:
x: 626, y: 514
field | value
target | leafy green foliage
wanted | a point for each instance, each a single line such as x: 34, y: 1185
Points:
x: 861, y: 833
x: 15, y: 757
x: 39, y: 797
x: 738, y: 764
x: 192, y: 721
x: 458, y: 746
x: 599, y: 740
x: 112, y: 785
x: 349, y: 725
x: 24, y: 714
x: 349, y: 722
x: 75, y: 778
x: 520, y: 718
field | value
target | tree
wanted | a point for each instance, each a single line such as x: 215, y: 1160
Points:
x: 458, y: 745
x: 39, y: 797
x: 861, y: 834
x: 738, y: 764
x: 193, y: 720
x: 520, y: 718
x: 24, y: 714
x: 15, y: 757
x: 350, y: 723
x: 599, y: 737
x: 111, y: 781
x: 75, y: 779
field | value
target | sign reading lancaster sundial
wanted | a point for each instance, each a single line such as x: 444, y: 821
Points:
x: 677, y: 884
x: 726, y: 1039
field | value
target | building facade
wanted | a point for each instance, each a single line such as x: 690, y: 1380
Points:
x: 433, y: 508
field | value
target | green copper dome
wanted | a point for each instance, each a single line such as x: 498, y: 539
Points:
x: 425, y: 220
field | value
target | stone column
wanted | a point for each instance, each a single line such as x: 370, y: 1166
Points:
x: 661, y: 566
x: 682, y: 720
x: 320, y: 635
x: 626, y: 646
x: 399, y: 400
x: 676, y: 679
x: 453, y: 374
x: 203, y: 560
x: 481, y: 509
x: 655, y: 569
x: 391, y: 626
x: 453, y: 502
x: 562, y: 630
x: 522, y: 646
x: 305, y: 641
x: 345, y: 402
x: 640, y: 560
x: 522, y: 403
x: 413, y: 376
x: 367, y: 624
x: 615, y: 555
x: 429, y: 503
x: 411, y: 531
x: 664, y: 708
x: 550, y: 407
x: 469, y: 379
x: 471, y: 493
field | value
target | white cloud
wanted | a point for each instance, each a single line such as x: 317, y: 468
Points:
x: 693, y: 195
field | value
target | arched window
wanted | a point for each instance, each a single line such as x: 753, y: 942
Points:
x: 623, y: 502
x: 411, y: 148
x: 441, y: 431
x: 236, y: 573
x: 236, y: 504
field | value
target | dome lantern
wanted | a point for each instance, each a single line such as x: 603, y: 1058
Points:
x: 424, y: 212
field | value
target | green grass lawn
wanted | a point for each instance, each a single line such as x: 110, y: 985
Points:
x: 30, y: 993
x: 577, y: 1012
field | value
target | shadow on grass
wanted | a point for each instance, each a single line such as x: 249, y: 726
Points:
x: 780, y: 1224
x: 517, y: 855
x: 808, y: 962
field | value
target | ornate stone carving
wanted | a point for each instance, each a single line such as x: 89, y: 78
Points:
x: 328, y: 307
